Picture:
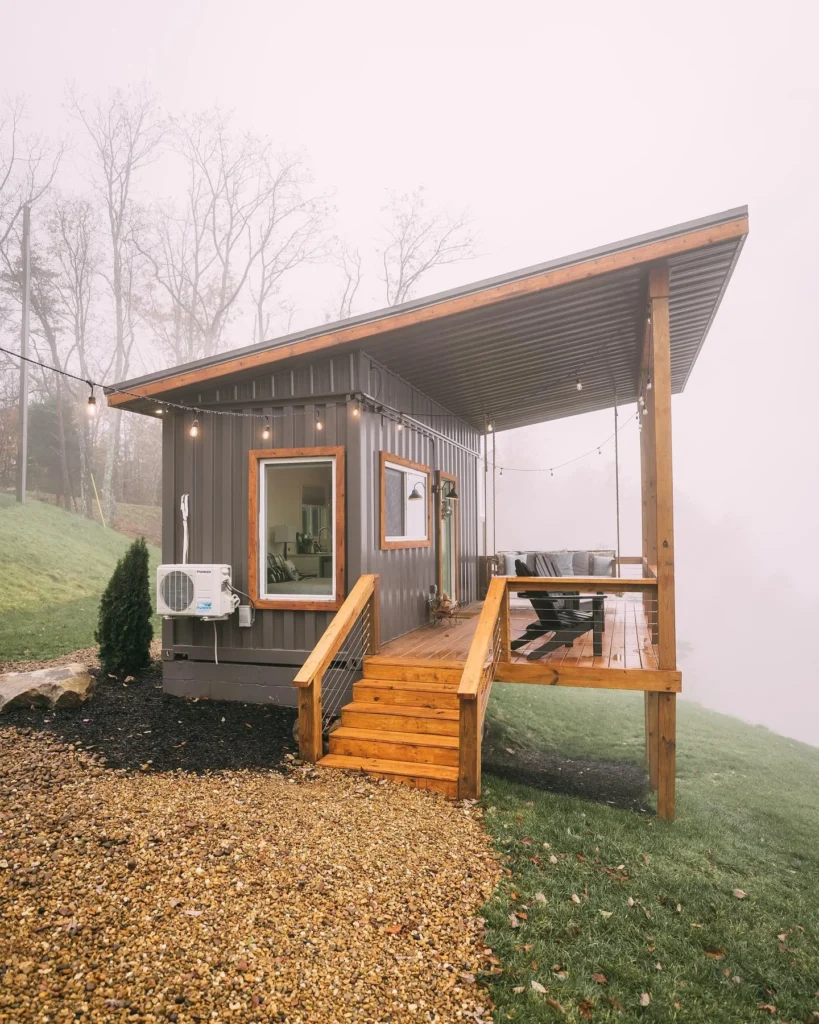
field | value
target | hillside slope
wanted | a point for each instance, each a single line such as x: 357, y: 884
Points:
x: 53, y: 569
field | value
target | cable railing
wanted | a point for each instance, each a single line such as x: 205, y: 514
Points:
x: 334, y: 663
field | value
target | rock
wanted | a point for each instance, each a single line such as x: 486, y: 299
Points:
x: 63, y: 686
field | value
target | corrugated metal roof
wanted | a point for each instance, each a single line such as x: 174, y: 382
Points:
x: 516, y: 361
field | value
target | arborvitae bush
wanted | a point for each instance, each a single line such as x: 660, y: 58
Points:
x: 125, y: 632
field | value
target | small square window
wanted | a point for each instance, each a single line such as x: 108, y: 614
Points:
x: 406, y: 503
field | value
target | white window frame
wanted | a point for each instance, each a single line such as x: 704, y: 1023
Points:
x: 264, y: 594
x: 413, y: 473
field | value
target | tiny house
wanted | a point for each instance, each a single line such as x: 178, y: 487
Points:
x: 339, y: 473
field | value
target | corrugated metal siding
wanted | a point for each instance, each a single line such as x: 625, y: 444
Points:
x: 213, y: 469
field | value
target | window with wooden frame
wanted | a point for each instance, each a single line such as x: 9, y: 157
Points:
x: 406, y: 503
x: 296, y: 528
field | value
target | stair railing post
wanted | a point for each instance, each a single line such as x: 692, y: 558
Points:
x: 505, y: 627
x: 469, y: 749
x: 310, y: 739
x: 375, y: 617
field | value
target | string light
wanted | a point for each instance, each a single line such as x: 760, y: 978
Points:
x: 599, y: 451
x: 159, y: 412
x: 266, y: 431
x: 194, y: 431
x: 578, y: 384
x: 648, y: 383
x: 319, y: 424
x: 400, y: 426
x: 357, y: 408
x: 490, y: 426
x: 645, y: 409
x: 91, y: 407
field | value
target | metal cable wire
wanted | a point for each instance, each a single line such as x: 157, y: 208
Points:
x: 345, y: 668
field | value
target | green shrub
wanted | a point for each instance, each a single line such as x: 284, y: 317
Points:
x: 125, y: 632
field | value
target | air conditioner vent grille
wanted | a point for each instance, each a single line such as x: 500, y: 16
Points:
x: 177, y: 590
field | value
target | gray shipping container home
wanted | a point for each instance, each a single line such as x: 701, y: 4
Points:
x: 347, y: 402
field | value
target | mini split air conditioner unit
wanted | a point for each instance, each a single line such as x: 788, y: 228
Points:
x: 201, y: 591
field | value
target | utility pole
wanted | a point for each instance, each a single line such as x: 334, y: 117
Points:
x: 22, y: 448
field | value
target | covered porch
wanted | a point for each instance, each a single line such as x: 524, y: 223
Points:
x: 506, y: 355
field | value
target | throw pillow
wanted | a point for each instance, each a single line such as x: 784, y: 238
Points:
x: 581, y: 563
x: 508, y: 563
x: 522, y: 569
x: 563, y: 561
x: 602, y: 565
x: 292, y: 572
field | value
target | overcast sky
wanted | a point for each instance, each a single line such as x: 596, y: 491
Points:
x: 561, y: 127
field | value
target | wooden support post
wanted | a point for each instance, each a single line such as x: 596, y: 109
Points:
x: 660, y: 417
x: 505, y: 628
x: 652, y: 738
x: 469, y: 750
x: 666, y: 754
x: 310, y: 740
x: 375, y: 617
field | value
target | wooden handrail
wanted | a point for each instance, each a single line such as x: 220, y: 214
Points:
x: 336, y: 633
x: 482, y: 641
x: 579, y: 584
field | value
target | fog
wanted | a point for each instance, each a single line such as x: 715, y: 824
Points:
x: 560, y: 127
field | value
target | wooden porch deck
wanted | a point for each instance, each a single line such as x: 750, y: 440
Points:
x: 626, y: 638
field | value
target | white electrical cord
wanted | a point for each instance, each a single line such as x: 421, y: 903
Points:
x: 215, y: 645
x: 183, y: 506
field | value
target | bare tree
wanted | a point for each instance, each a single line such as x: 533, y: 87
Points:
x: 349, y: 262
x: 245, y: 224
x: 125, y: 131
x: 418, y: 240
x: 28, y: 166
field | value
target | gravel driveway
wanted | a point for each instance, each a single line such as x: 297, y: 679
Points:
x: 249, y: 894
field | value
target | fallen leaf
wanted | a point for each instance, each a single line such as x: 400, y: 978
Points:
x: 630, y: 902
x: 575, y: 898
x: 394, y: 929
x: 518, y: 989
x: 736, y: 979
x: 248, y: 725
x: 555, y: 1005
x: 767, y: 1008
x: 513, y: 921
x: 645, y: 999
x: 740, y: 894
x: 537, y: 987
x: 714, y: 952
x: 615, y: 1003
x: 194, y: 913
x: 606, y: 913
x: 539, y: 897
x: 552, y: 859
x: 547, y: 846
x: 782, y: 936
x: 601, y: 979
x: 647, y: 859
x: 523, y: 914
x: 468, y: 978
x: 527, y: 840
x: 586, y: 1008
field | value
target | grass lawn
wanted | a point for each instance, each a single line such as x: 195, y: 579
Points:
x: 53, y: 569
x: 618, y: 907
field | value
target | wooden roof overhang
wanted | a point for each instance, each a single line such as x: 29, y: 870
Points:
x: 510, y: 349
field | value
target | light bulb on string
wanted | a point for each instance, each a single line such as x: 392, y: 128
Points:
x: 357, y: 409
x: 266, y: 431
x: 319, y: 424
x: 648, y: 383
x: 645, y: 410
x: 490, y: 426
x: 91, y: 407
x: 551, y: 472
x: 194, y: 431
x: 578, y: 384
x: 599, y: 451
x: 400, y: 425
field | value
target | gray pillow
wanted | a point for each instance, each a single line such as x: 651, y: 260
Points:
x: 580, y: 563
x: 508, y: 562
x: 602, y: 565
x: 562, y: 561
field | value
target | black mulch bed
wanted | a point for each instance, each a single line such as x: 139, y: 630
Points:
x: 135, y: 724
x: 605, y: 782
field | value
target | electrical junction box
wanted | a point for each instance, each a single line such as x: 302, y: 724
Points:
x: 245, y: 615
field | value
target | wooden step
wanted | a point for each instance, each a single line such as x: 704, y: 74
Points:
x: 395, y: 692
x: 392, y: 745
x: 437, y: 777
x: 413, y: 669
x: 441, y: 721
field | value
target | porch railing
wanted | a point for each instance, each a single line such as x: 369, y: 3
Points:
x: 335, y: 663
x: 619, y: 651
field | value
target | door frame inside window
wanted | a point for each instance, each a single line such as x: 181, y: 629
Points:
x: 442, y: 479
x: 334, y: 601
x: 418, y: 467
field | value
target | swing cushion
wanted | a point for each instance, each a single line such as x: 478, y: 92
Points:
x: 602, y: 565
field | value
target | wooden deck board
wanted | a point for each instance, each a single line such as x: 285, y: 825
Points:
x: 626, y: 639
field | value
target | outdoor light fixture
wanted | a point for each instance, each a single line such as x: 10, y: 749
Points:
x: 452, y: 494
x: 194, y: 431
x: 319, y: 424
x: 266, y: 431
x: 91, y: 408
x: 415, y: 494
x: 159, y: 411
